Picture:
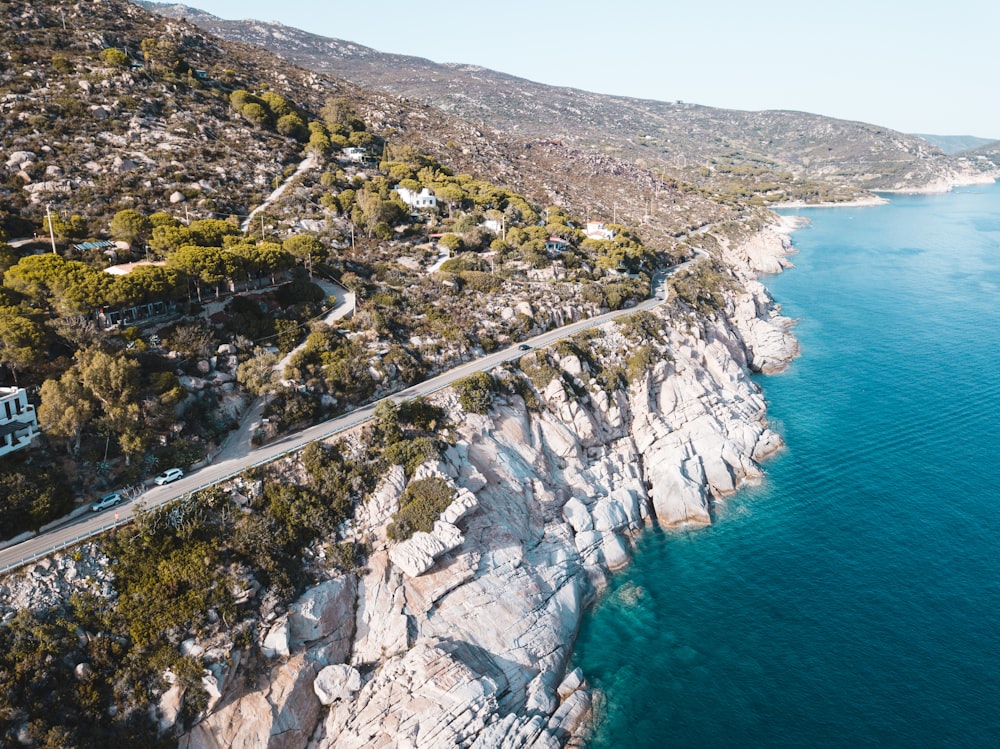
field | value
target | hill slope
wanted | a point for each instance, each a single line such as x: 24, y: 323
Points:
x: 807, y: 155
x: 952, y: 144
x: 157, y: 131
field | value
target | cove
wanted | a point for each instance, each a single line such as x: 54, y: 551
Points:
x: 853, y: 597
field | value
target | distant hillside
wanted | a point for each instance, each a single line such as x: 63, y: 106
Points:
x: 769, y: 153
x: 989, y: 152
x: 952, y: 144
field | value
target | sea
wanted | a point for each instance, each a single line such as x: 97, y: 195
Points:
x: 852, y: 598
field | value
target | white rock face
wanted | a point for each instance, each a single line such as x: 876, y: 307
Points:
x: 380, y: 622
x: 427, y: 697
x: 282, y: 715
x: 277, y: 643
x: 325, y: 612
x: 169, y: 707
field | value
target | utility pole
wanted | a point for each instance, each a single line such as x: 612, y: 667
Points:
x: 52, y: 233
x: 262, y: 227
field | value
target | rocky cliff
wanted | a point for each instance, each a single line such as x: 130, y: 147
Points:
x: 463, y: 636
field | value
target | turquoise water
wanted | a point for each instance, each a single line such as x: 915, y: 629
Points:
x: 853, y: 599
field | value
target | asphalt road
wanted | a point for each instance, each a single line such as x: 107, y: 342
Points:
x: 81, y: 528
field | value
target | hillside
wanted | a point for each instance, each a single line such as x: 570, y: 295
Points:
x: 771, y: 154
x: 156, y: 130
x: 123, y: 126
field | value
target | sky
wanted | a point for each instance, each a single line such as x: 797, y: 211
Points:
x: 913, y: 66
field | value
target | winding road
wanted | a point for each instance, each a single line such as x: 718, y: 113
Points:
x: 75, y: 530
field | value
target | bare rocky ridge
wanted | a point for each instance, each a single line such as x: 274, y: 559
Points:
x: 464, y: 637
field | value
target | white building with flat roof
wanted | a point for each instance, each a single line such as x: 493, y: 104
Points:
x: 423, y: 199
x: 18, y: 423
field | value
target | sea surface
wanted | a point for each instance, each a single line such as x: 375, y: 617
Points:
x: 853, y: 598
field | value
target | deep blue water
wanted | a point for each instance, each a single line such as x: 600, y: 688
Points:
x: 853, y: 599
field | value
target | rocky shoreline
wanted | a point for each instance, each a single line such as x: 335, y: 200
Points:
x: 938, y: 186
x: 463, y: 636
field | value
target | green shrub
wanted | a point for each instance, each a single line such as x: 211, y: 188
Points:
x: 539, y: 370
x: 639, y: 363
x: 421, y: 415
x: 484, y: 283
x: 642, y: 326
x: 114, y: 57
x: 703, y: 287
x: 421, y: 504
x: 475, y: 392
x: 411, y: 453
x: 30, y: 496
x: 62, y: 64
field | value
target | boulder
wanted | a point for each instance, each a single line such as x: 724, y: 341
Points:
x: 570, y: 683
x: 416, y: 554
x: 17, y: 158
x: 678, y: 493
x: 336, y: 683
x: 277, y: 643
x: 615, y: 551
x: 609, y: 515
x: 577, y: 515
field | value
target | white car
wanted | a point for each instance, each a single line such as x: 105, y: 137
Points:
x: 171, y: 474
x: 108, y: 500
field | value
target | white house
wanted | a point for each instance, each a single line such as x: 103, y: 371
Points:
x: 18, y: 423
x: 597, y: 230
x: 354, y: 153
x: 423, y: 199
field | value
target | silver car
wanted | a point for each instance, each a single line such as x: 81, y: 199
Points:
x: 171, y: 474
x: 108, y: 500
